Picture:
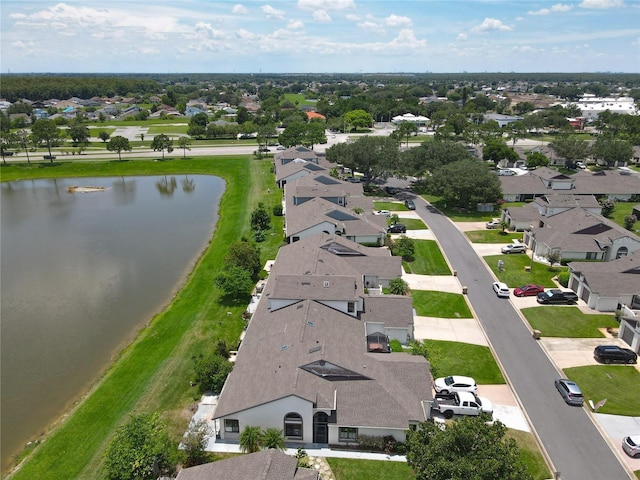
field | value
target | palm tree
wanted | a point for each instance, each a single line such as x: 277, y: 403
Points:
x: 250, y: 439
x: 273, y: 438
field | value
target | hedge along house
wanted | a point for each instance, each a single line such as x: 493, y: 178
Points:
x: 315, y: 360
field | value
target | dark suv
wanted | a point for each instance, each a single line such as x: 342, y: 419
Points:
x: 614, y: 354
x: 557, y: 296
x: 397, y: 228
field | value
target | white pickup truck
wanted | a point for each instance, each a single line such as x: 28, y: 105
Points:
x: 461, y: 403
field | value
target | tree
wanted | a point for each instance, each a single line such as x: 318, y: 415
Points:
x: 404, y: 247
x: 260, y: 218
x: 397, y: 286
x: 104, y: 136
x: 608, y: 206
x: 374, y: 157
x: 427, y: 157
x: 24, y: 138
x: 314, y: 134
x: 294, y: 134
x: 405, y: 130
x: 119, y: 144
x: 570, y: 148
x: 185, y: 144
x: 273, y: 438
x: 195, y: 442
x: 250, y: 439
x: 496, y: 150
x: 235, y: 282
x: 45, y: 131
x: 553, y: 257
x: 468, y: 448
x: 161, y: 143
x: 245, y: 255
x: 7, y: 141
x: 611, y: 151
x: 464, y: 184
x: 536, y: 159
x: 140, y: 450
x: 198, y: 125
x: 357, y: 119
x: 78, y: 132
x: 211, y: 372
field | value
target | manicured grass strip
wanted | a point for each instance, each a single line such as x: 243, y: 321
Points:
x: 455, y: 358
x: 567, y: 322
x: 413, y: 223
x: 154, y: 372
x: 440, y: 304
x: 515, y: 275
x: 619, y: 384
x: 391, y: 206
x: 354, y: 469
x: 489, y: 236
x: 429, y: 259
x: 530, y: 454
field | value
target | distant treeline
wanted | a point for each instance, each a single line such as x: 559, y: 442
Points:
x: 37, y: 87
x: 45, y: 87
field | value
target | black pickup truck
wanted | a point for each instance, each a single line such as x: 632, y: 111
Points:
x: 557, y: 297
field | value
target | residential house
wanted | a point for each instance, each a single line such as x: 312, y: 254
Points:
x: 296, y: 169
x: 315, y: 115
x: 270, y: 464
x: 522, y: 218
x: 308, y: 364
x: 290, y: 154
x: 503, y: 120
x: 580, y: 234
x: 607, y: 286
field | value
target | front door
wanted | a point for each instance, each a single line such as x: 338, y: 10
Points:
x: 320, y: 430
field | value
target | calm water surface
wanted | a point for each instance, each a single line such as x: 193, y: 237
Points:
x: 80, y: 273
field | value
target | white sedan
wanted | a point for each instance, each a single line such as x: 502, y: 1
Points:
x: 455, y: 383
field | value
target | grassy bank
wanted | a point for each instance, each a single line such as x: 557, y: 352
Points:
x: 154, y: 373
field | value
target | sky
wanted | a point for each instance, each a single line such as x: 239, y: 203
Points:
x: 319, y: 36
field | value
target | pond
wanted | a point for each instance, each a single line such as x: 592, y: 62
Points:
x: 85, y: 264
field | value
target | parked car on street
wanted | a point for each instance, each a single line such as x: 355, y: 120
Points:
x: 631, y: 445
x: 501, y: 289
x: 570, y: 391
x: 397, y: 228
x: 391, y: 190
x: 455, y: 383
x: 555, y: 296
x: 386, y: 213
x: 505, y: 172
x: 614, y: 354
x: 409, y: 204
x: 528, y: 290
x: 514, y: 248
x: 493, y: 224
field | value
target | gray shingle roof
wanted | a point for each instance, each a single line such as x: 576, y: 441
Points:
x: 264, y: 465
x: 614, y: 278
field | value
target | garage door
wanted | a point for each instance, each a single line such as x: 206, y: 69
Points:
x: 585, y: 294
x: 627, y: 336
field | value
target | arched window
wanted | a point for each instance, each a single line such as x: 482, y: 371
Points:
x: 622, y: 252
x: 293, y: 425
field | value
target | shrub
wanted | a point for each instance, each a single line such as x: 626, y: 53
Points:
x: 277, y: 211
x: 371, y: 442
x: 390, y: 444
x: 563, y: 279
x: 211, y: 372
x: 398, y: 286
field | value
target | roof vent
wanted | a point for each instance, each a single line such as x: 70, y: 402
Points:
x: 284, y: 347
x: 325, y: 284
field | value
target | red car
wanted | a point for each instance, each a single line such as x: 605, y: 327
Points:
x: 528, y: 290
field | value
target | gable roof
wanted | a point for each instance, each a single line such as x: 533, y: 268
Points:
x: 267, y: 464
x: 614, y: 278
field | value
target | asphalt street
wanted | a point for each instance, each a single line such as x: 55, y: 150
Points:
x: 572, y: 441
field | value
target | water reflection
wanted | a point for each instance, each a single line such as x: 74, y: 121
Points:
x: 80, y: 273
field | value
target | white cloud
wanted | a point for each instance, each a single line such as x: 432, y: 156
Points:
x: 321, y: 16
x: 245, y: 34
x: 239, y: 9
x: 326, y: 4
x: 602, y: 4
x: 397, y: 21
x: 558, y: 7
x: 462, y: 36
x: 208, y: 30
x: 271, y: 12
x: 352, y: 17
x: 491, y: 24
x: 295, y: 25
x: 406, y: 39
x: 370, y: 26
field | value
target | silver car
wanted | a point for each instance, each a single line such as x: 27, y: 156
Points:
x: 570, y: 391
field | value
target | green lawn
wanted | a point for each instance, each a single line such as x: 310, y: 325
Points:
x: 391, y: 206
x: 490, y: 236
x: 567, y: 322
x: 428, y: 259
x: 455, y: 358
x: 168, y: 129
x: 462, y: 216
x: 440, y: 304
x: 515, y: 275
x: 412, y: 223
x: 354, y: 469
x: 619, y: 384
x: 621, y: 210
x: 530, y: 454
x: 153, y: 373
